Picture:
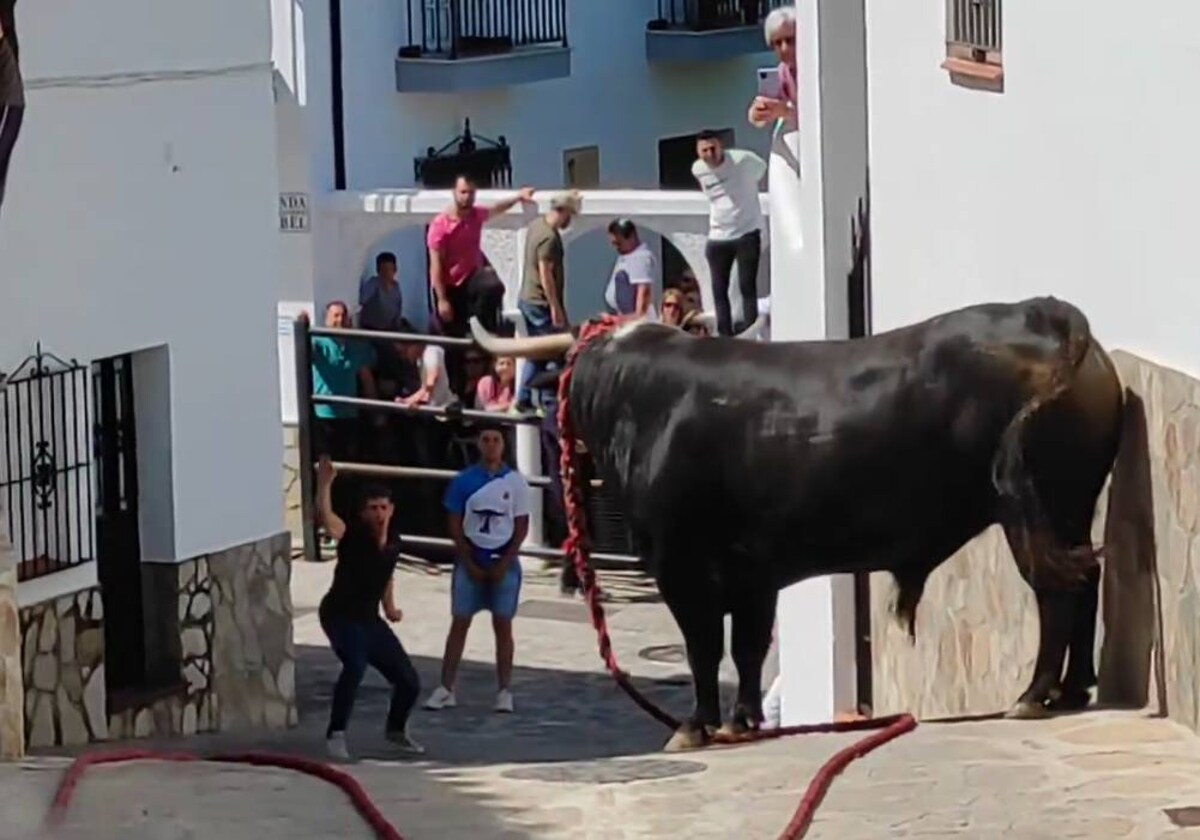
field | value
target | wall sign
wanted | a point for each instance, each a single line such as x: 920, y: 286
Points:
x: 293, y: 212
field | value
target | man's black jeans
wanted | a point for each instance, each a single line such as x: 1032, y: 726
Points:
x: 721, y: 255
x: 358, y: 644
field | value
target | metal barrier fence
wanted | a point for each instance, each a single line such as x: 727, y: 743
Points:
x: 303, y: 334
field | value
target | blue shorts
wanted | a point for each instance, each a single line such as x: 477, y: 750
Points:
x: 497, y: 597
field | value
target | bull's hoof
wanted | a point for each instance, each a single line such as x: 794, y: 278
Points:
x: 1027, y: 710
x: 686, y: 738
x: 1070, y: 699
x: 734, y: 729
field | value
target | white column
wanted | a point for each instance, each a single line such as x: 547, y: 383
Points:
x: 816, y: 176
x: 805, y: 610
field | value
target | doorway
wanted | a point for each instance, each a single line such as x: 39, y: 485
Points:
x: 118, y: 538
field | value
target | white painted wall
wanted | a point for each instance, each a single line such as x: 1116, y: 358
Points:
x: 144, y: 214
x: 1077, y: 181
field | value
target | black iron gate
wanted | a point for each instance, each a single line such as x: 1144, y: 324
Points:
x: 47, y: 469
x: 118, y: 540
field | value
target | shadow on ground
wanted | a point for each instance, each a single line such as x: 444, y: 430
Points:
x: 561, y: 715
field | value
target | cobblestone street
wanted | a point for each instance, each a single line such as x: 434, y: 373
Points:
x: 579, y: 760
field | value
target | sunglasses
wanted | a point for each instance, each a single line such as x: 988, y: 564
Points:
x: 670, y: 305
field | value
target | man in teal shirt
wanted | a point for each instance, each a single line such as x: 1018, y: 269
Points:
x: 340, y: 368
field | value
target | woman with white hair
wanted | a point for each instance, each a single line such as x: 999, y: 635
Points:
x: 779, y: 30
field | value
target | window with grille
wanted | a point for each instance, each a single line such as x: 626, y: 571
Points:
x: 974, y: 38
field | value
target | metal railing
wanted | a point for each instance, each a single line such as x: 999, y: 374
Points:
x: 709, y: 15
x: 975, y: 25
x: 467, y: 28
x: 46, y: 473
x: 306, y: 400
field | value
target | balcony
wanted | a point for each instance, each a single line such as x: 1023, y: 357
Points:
x: 464, y: 45
x: 707, y: 30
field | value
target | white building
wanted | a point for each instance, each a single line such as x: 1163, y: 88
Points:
x: 1001, y: 167
x: 1031, y: 174
x: 139, y: 252
x: 597, y: 95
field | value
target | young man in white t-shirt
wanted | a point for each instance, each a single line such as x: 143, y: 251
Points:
x: 730, y: 180
x: 488, y: 509
x: 630, y: 288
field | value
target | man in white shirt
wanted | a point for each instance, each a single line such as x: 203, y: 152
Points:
x: 434, y: 388
x: 730, y: 180
x: 630, y: 288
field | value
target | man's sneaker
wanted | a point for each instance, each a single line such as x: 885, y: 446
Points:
x: 504, y: 701
x: 442, y: 698
x: 402, y: 740
x: 335, y: 745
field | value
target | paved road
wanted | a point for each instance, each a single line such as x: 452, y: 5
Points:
x: 578, y: 760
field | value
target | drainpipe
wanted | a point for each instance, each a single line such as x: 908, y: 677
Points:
x: 335, y: 97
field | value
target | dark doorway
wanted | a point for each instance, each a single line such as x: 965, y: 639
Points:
x: 675, y: 158
x: 118, y: 541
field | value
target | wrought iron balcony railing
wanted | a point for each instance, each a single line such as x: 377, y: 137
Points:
x: 452, y: 29
x: 711, y: 15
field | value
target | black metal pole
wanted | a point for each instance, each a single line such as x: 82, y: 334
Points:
x: 302, y: 343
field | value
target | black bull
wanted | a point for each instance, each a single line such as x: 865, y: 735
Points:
x: 744, y: 467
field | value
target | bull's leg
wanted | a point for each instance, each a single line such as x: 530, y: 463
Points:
x: 1081, y: 666
x: 753, y: 616
x: 1056, y: 611
x: 700, y: 619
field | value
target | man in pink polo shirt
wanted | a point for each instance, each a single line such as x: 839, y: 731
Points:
x: 463, y: 285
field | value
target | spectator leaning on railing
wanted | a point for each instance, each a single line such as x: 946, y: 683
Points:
x: 340, y: 368
x: 463, y: 284
x: 780, y: 31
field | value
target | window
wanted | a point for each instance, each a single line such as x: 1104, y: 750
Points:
x: 581, y: 168
x: 974, y: 42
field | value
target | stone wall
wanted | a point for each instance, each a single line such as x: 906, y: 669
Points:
x: 254, y: 662
x: 222, y: 651
x: 977, y: 625
x: 12, y: 744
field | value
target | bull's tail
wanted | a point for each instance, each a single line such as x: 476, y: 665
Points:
x: 1041, y: 549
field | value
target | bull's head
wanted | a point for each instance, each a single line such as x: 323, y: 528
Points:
x: 554, y: 346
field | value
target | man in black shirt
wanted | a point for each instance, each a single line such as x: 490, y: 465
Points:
x: 362, y: 579
x: 12, y: 89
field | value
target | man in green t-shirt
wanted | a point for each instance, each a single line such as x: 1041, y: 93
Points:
x: 541, y: 301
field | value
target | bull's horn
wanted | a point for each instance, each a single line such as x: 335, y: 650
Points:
x: 532, y: 347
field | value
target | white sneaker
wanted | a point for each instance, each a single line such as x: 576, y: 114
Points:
x: 405, y: 742
x: 504, y: 701
x: 335, y: 745
x: 442, y: 698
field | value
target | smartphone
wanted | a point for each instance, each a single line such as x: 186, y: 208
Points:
x: 769, y: 83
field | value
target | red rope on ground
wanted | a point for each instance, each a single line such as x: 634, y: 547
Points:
x: 578, y: 549
x: 358, y: 797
